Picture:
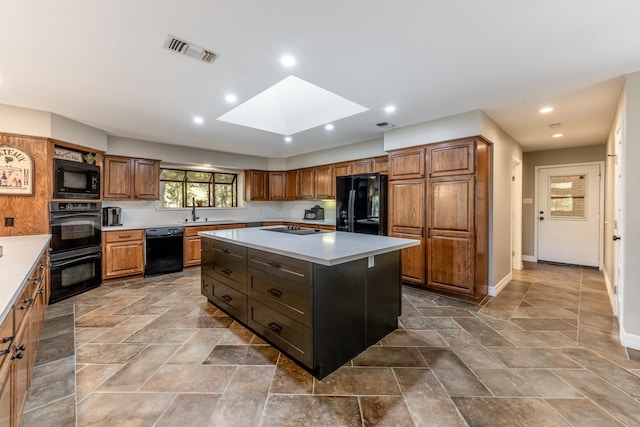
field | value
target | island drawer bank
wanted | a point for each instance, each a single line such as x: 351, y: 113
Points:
x: 23, y: 300
x: 320, y: 298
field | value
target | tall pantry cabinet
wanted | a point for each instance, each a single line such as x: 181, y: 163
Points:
x: 439, y: 194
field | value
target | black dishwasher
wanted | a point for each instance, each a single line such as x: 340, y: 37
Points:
x: 164, y: 247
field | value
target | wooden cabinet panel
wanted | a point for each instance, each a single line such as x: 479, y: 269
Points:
x: 307, y: 183
x: 342, y: 169
x: 452, y: 158
x: 277, y: 185
x: 324, y: 182
x: 291, y: 189
x: 381, y: 164
x: 407, y: 220
x: 192, y: 250
x: 451, y: 263
x: 123, y: 253
x: 256, y: 185
x: 146, y: 179
x: 5, y: 393
x: 407, y: 163
x: 117, y: 178
x: 361, y: 166
x: 129, y: 178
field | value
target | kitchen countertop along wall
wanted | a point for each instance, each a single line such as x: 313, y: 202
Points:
x: 155, y: 224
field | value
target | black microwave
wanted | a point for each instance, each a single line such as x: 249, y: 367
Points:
x: 75, y: 180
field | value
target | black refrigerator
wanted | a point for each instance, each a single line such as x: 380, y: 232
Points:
x: 361, y: 203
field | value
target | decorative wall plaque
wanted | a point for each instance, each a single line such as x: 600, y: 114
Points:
x: 16, y: 171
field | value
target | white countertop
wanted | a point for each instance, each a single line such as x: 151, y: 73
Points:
x: 156, y: 224
x: 20, y: 254
x: 328, y: 248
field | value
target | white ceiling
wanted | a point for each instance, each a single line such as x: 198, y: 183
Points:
x: 103, y: 63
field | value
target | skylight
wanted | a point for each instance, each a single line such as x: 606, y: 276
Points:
x: 291, y: 106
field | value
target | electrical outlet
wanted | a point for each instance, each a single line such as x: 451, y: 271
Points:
x: 8, y: 222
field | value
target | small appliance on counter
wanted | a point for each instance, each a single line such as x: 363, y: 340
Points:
x: 315, y: 213
x: 111, y: 216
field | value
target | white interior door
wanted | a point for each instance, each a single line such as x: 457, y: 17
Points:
x: 568, y: 214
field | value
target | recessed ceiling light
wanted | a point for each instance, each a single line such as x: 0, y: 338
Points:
x: 557, y: 135
x: 198, y: 120
x: 544, y: 110
x: 390, y: 108
x: 231, y: 98
x: 288, y: 61
x: 288, y: 139
x: 329, y: 126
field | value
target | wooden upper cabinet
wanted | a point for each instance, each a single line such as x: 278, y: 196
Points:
x: 291, y: 188
x: 452, y: 158
x: 117, y: 177
x: 324, y: 182
x: 277, y: 185
x: 342, y: 169
x: 381, y: 164
x: 146, y: 179
x: 361, y: 166
x: 407, y: 163
x: 128, y: 178
x: 306, y: 187
x: 256, y: 185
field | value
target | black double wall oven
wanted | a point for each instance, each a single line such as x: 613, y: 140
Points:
x: 76, y: 252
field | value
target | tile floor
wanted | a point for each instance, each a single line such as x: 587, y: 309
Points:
x: 153, y: 352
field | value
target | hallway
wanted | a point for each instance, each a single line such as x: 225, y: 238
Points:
x: 153, y: 352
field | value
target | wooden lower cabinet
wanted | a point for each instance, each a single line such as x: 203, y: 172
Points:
x: 193, y: 242
x: 19, y: 342
x: 123, y: 253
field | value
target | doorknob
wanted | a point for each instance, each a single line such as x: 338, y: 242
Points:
x: 617, y: 238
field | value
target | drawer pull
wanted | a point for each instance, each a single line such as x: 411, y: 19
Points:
x: 274, y: 264
x: 227, y: 271
x: 27, y: 304
x: 17, y: 356
x: 275, y: 292
x: 37, y: 280
x: 41, y: 291
x: 3, y: 352
x: 124, y: 237
x: 275, y: 327
x: 226, y: 251
x: 7, y: 339
x: 227, y: 298
x: 23, y: 347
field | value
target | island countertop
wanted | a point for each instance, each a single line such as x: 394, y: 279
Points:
x: 20, y: 254
x: 326, y: 248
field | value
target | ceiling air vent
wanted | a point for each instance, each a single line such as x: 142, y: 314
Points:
x: 385, y: 125
x: 175, y: 44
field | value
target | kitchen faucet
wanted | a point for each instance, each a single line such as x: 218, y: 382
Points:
x: 193, y: 211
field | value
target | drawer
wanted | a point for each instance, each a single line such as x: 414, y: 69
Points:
x: 289, y: 298
x: 123, y: 235
x: 234, y: 275
x: 230, y: 300
x: 227, y: 253
x: 291, y: 336
x: 292, y: 269
x: 23, y: 304
x: 206, y: 286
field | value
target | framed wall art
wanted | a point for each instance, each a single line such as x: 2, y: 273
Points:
x: 16, y: 171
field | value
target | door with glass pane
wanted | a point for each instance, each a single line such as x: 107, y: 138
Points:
x: 568, y: 214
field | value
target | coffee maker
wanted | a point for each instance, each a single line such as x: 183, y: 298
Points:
x: 111, y: 216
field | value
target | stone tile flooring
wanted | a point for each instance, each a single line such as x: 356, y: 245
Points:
x: 153, y: 352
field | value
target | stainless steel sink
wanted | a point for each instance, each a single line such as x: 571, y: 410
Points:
x: 299, y: 231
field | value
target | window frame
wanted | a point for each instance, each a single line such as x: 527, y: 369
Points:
x: 210, y: 202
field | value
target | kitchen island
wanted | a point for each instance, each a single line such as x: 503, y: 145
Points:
x: 320, y: 297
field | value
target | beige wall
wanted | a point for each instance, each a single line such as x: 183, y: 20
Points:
x: 71, y: 131
x: 630, y: 242
x: 593, y: 153
x: 359, y: 150
x: 24, y: 121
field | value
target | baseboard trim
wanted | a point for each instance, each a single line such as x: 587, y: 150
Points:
x: 498, y: 287
x: 529, y: 258
x: 629, y: 340
x: 610, y: 293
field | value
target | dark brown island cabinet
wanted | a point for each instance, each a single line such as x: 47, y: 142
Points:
x: 321, y: 316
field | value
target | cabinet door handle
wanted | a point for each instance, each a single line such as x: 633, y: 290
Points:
x: 275, y: 327
x: 23, y: 347
x: 7, y: 339
x: 18, y: 356
x: 429, y: 233
x: 227, y: 298
x: 275, y: 292
x: 3, y: 352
